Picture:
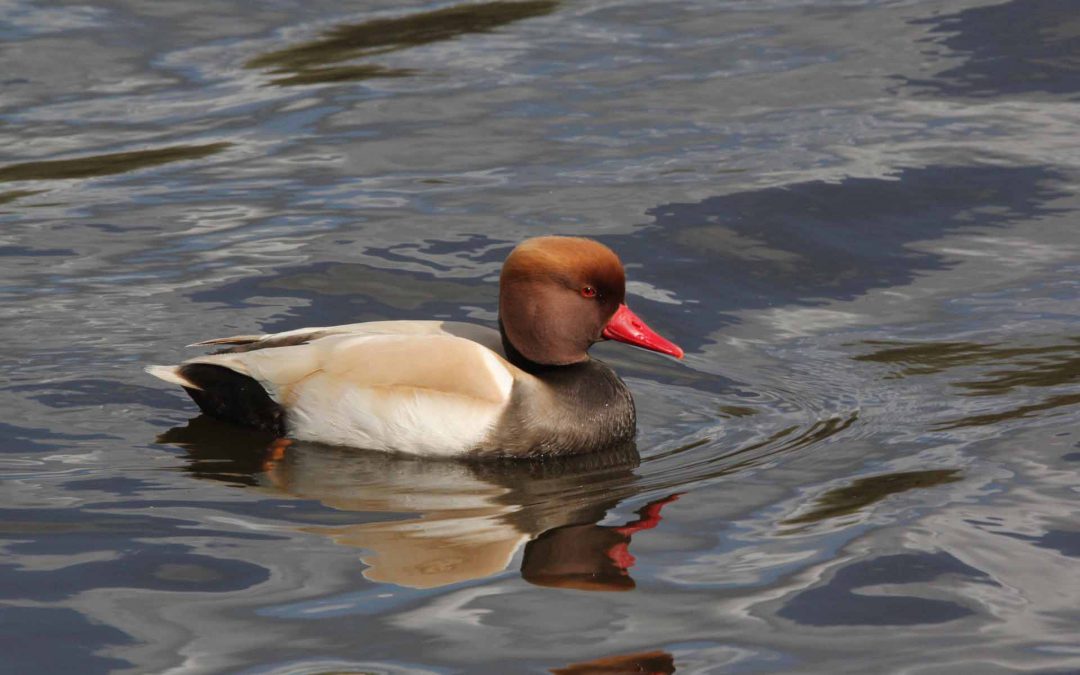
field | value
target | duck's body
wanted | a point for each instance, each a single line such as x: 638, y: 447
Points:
x: 434, y: 388
x: 442, y: 389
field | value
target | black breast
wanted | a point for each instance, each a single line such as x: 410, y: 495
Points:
x: 583, y: 407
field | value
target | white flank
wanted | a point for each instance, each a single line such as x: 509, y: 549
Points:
x: 397, y: 404
x: 404, y: 419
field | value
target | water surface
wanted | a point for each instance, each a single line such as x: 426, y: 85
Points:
x: 858, y: 217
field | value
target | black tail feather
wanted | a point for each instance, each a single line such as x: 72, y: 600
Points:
x: 230, y: 396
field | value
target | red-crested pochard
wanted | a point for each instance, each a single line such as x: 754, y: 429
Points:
x: 447, y: 389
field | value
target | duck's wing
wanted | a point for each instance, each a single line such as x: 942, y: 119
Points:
x: 483, y: 335
x: 430, y: 393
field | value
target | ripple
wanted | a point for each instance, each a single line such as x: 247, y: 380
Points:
x: 1001, y: 369
x: 863, y: 492
x: 311, y: 62
x: 107, y: 164
x: 10, y: 196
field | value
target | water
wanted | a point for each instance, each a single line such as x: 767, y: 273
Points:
x: 859, y: 218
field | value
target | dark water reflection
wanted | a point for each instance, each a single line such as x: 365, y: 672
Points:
x: 49, y: 648
x: 865, y: 491
x: 12, y: 195
x: 312, y: 62
x: 1005, y: 370
x: 1012, y: 48
x: 767, y: 246
x: 1044, y: 366
x: 839, y: 603
x: 105, y: 165
x: 1017, y: 413
x: 866, y: 463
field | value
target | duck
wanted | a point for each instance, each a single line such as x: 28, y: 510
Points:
x: 432, y: 388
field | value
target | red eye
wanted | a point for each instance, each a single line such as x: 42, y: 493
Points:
x: 588, y: 291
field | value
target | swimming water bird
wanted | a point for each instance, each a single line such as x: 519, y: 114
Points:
x: 441, y: 388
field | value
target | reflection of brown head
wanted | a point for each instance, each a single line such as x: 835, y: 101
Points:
x: 588, y: 557
x: 646, y: 663
x: 577, y: 556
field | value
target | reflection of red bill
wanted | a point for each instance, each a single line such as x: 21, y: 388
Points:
x: 588, y: 557
x: 650, y: 518
x: 620, y: 555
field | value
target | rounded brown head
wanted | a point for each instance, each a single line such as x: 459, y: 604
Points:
x: 559, y: 295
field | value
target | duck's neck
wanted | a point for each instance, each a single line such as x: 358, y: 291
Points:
x: 514, y: 356
x: 585, y: 407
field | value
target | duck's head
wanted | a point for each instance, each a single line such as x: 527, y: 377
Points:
x: 559, y: 295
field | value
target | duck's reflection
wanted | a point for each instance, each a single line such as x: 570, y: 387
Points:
x: 463, y: 520
x: 588, y: 556
x: 653, y: 663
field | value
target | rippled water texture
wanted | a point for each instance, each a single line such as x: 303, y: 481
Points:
x: 858, y: 217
